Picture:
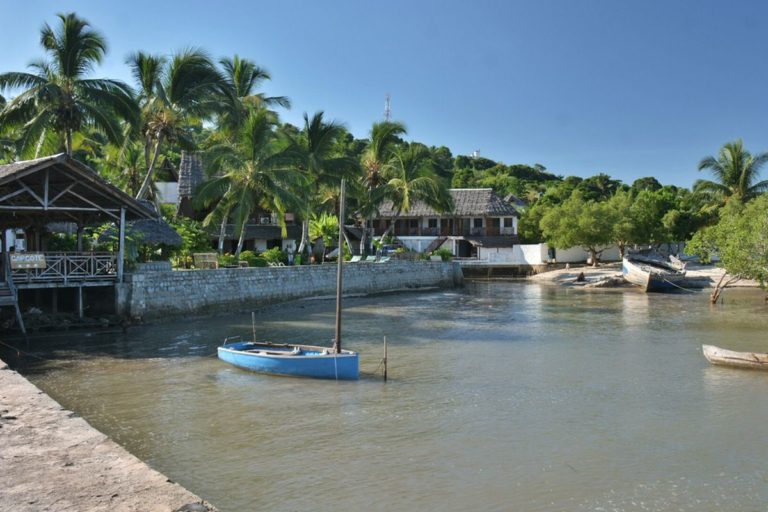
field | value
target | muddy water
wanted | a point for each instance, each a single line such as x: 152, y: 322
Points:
x: 502, y: 396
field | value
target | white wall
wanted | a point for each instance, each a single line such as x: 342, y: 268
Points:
x: 416, y: 243
x: 537, y: 254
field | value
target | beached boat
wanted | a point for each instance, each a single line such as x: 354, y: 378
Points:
x: 299, y: 360
x: 721, y: 356
x: 652, y: 277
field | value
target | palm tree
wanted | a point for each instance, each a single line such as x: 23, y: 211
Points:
x: 241, y: 79
x: 172, y: 94
x: 736, y: 172
x: 384, y: 138
x: 58, y: 99
x: 315, y: 150
x: 411, y: 177
x: 254, y: 173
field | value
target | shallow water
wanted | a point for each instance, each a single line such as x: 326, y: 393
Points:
x: 502, y: 396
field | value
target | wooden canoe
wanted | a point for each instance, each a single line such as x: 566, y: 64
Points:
x: 721, y: 356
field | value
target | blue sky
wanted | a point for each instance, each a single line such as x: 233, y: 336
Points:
x: 634, y: 89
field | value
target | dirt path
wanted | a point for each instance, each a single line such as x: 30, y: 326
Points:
x: 53, y: 460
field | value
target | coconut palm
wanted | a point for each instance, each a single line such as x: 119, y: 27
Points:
x: 411, y: 177
x: 172, y: 94
x: 253, y: 174
x: 384, y: 138
x: 241, y: 80
x: 315, y: 150
x: 58, y: 99
x: 736, y: 172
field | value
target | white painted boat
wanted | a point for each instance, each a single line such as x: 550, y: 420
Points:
x: 723, y: 357
x: 652, y: 277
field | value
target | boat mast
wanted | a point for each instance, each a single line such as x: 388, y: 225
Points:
x: 337, y: 340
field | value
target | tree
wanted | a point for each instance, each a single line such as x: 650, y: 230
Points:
x: 599, y: 187
x: 59, y: 99
x: 648, y: 183
x: 385, y: 136
x: 578, y: 222
x: 740, y: 239
x: 241, y: 78
x: 736, y: 172
x: 411, y: 177
x: 623, y: 232
x: 172, y: 93
x: 325, y: 226
x: 316, y: 153
x: 254, y: 173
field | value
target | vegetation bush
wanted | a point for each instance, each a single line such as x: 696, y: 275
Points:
x: 252, y: 259
x: 275, y: 255
x: 227, y: 260
x: 445, y: 254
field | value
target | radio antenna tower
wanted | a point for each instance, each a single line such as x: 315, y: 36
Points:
x: 387, y: 107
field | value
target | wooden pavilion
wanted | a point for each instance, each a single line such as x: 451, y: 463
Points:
x: 35, y: 194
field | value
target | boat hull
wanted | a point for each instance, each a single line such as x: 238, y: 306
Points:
x: 723, y: 357
x: 292, y: 360
x: 651, y: 280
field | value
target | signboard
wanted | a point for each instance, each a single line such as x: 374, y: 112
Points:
x: 27, y: 260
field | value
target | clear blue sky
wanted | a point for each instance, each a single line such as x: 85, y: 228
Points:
x: 644, y: 88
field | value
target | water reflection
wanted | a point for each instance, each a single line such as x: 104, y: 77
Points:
x: 503, y: 396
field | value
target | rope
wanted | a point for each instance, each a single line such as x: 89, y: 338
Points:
x: 678, y: 286
x: 19, y: 352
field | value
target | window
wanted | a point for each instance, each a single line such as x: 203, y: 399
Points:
x: 478, y: 223
x: 509, y: 222
x: 413, y: 223
x: 432, y: 223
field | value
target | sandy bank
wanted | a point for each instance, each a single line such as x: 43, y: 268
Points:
x: 698, y: 276
x: 53, y: 460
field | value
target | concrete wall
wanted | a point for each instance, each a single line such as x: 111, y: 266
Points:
x: 155, y: 294
x: 538, y: 254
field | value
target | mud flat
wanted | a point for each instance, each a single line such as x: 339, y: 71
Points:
x: 53, y: 460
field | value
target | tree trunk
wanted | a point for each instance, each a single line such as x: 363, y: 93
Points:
x: 304, y: 244
x: 346, y: 239
x: 593, y: 255
x: 363, y: 238
x: 222, y: 234
x: 68, y: 142
x: 148, y: 179
x: 240, y: 242
x: 622, y: 249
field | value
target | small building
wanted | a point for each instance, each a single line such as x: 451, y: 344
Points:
x: 479, y: 218
x: 59, y: 190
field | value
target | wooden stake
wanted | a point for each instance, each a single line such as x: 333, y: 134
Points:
x: 385, y: 359
x: 253, y: 325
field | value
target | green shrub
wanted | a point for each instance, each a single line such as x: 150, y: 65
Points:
x: 249, y: 257
x: 227, y: 260
x: 445, y: 254
x: 275, y: 255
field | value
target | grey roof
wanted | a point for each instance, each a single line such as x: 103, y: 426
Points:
x: 479, y: 202
x: 190, y: 173
x: 148, y: 231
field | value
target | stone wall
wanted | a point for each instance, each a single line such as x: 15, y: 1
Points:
x: 155, y: 294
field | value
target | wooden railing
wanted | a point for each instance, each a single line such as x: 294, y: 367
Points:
x: 66, y: 267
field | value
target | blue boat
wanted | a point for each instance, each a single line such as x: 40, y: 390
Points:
x: 300, y: 360
x: 292, y: 360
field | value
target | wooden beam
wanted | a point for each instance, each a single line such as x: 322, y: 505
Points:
x: 12, y: 194
x: 57, y: 196
x: 31, y: 192
x: 46, y: 180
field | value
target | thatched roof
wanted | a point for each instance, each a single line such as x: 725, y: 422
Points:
x: 148, y: 231
x: 58, y: 188
x: 467, y: 202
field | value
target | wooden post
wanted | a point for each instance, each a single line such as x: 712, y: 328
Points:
x: 253, y: 325
x: 121, y: 246
x: 385, y: 359
x: 80, y: 302
x: 339, y: 269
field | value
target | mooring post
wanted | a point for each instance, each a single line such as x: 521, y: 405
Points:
x: 385, y: 359
x: 253, y: 325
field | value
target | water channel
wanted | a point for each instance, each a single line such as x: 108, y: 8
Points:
x: 502, y: 396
